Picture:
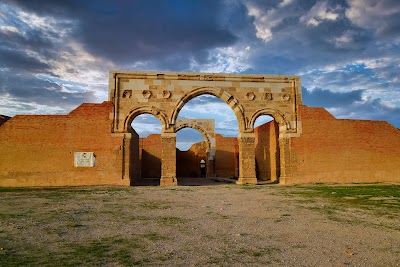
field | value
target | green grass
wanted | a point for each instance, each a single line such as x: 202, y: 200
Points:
x: 364, y: 196
x: 380, y: 201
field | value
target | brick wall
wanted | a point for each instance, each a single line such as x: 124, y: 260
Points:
x: 339, y: 150
x: 38, y: 150
x: 151, y: 150
x: 188, y: 162
x: 226, y: 157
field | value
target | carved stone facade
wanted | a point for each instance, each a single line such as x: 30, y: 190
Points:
x: 163, y: 94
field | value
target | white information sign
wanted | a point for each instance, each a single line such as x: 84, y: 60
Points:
x: 84, y: 159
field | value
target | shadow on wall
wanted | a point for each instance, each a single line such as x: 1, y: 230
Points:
x: 186, y: 165
x: 267, y: 151
x: 151, y: 165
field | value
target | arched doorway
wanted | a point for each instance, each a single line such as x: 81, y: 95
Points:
x: 222, y: 155
x: 148, y: 151
x: 203, y: 167
x: 191, y: 145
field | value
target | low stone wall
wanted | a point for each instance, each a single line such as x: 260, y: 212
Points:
x: 38, y: 150
x: 334, y: 150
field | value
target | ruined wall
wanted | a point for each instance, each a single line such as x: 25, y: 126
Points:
x: 226, y: 157
x: 267, y: 151
x: 151, y: 150
x: 338, y: 150
x: 188, y: 162
x: 38, y: 150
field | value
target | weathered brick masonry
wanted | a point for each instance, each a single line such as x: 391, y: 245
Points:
x: 38, y: 150
x: 342, y: 150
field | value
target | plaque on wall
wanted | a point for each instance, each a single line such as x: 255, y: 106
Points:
x: 84, y: 159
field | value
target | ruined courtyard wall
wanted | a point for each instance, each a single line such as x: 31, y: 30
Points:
x: 188, y: 162
x: 342, y: 150
x: 267, y: 151
x: 226, y: 157
x: 38, y: 150
x: 151, y: 150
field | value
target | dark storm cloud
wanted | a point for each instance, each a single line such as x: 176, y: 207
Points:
x: 328, y: 99
x: 352, y: 105
x: 19, y: 60
x: 296, y: 46
x: 128, y: 31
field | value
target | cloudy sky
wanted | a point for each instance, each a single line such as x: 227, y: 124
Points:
x: 54, y: 55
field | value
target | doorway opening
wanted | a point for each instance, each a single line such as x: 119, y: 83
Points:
x: 190, y: 148
x: 267, y: 152
x: 148, y: 128
x: 222, y: 160
x: 202, y: 168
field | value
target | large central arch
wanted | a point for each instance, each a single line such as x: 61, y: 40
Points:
x: 163, y: 94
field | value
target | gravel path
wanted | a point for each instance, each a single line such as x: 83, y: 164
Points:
x: 214, y: 225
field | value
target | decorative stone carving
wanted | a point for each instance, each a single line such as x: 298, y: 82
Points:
x: 250, y: 96
x: 146, y: 93
x: 286, y: 97
x: 268, y: 96
x: 166, y: 94
x: 127, y: 94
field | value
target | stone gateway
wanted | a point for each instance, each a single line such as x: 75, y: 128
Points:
x: 301, y: 144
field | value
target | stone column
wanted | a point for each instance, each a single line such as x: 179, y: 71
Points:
x: 124, y: 156
x: 168, y: 159
x: 284, y: 159
x: 247, y: 159
x: 210, y: 163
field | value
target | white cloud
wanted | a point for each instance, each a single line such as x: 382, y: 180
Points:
x: 285, y: 3
x: 8, y: 29
x: 227, y: 59
x: 265, y: 20
x: 346, y: 39
x: 372, y: 14
x: 12, y: 106
x: 319, y: 13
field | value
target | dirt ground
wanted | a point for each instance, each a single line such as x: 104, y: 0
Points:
x: 214, y: 225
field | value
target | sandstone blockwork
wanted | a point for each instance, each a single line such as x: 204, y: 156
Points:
x: 300, y: 145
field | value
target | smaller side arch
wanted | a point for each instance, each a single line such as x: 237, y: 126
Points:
x: 205, y: 135
x: 277, y: 115
x: 145, y: 110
